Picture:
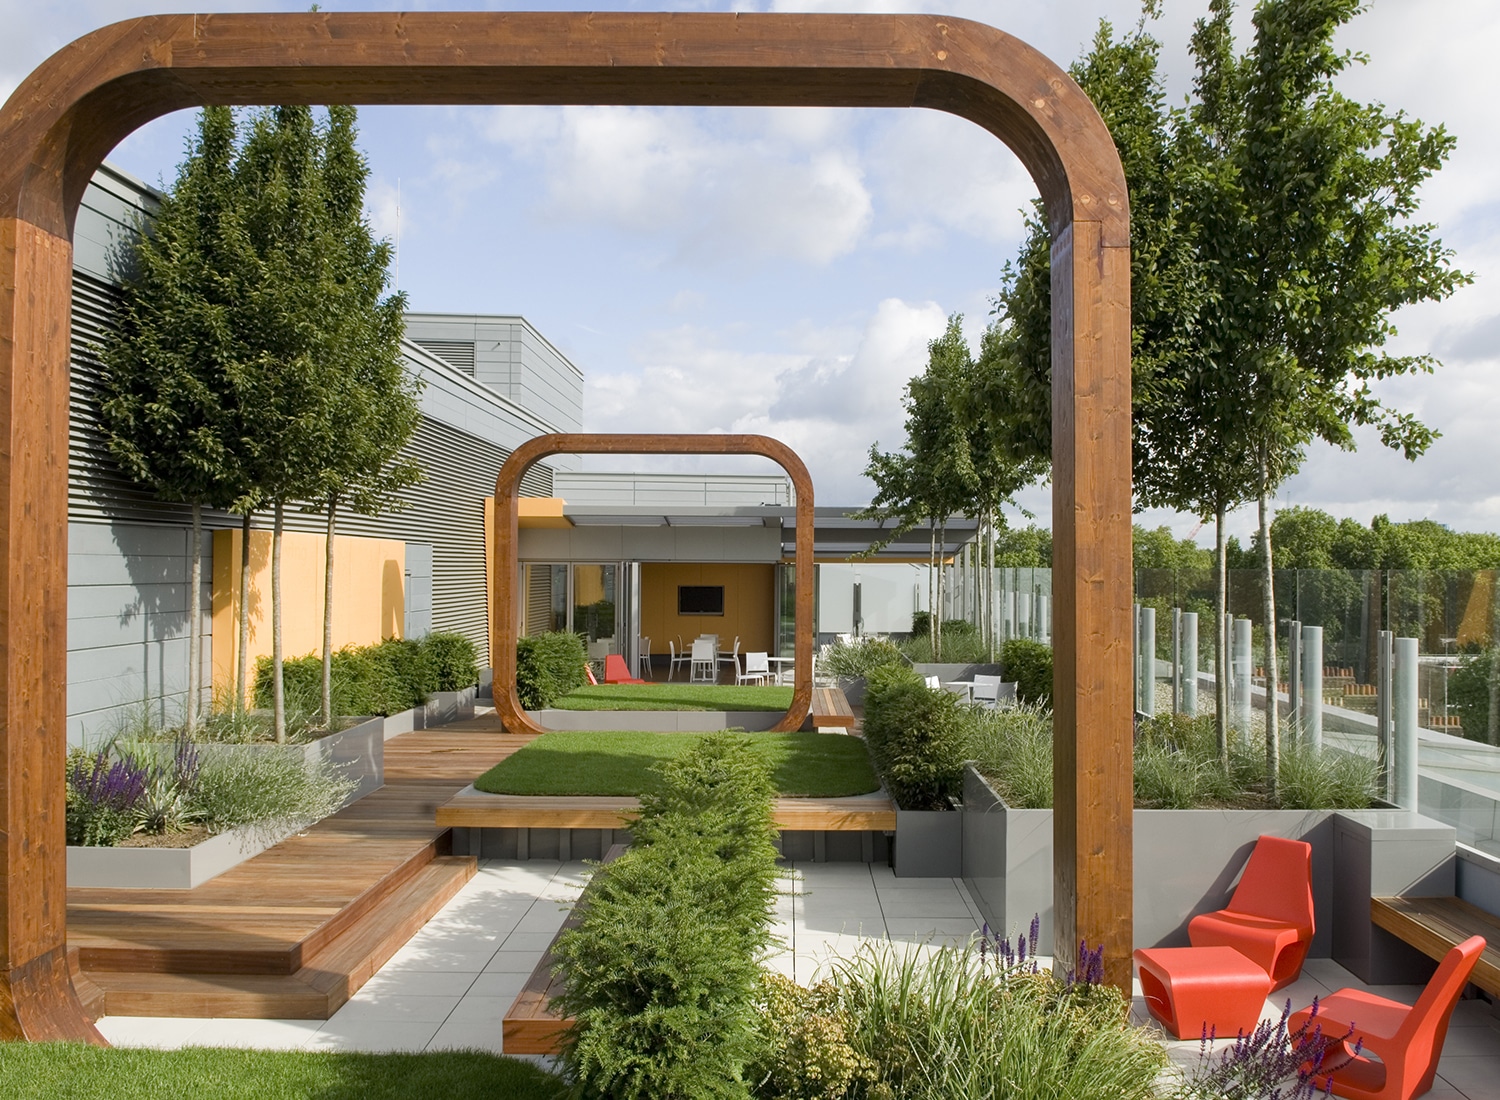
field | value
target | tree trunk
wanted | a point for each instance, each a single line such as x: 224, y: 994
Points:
x: 932, y: 636
x: 195, y: 622
x: 240, y: 698
x: 278, y: 692
x: 1221, y: 655
x: 942, y: 587
x: 1268, y: 595
x: 1492, y: 725
x: 327, y: 715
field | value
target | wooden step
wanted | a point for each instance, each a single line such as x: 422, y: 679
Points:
x: 478, y: 810
x: 830, y: 708
x: 318, y: 989
x: 1434, y: 926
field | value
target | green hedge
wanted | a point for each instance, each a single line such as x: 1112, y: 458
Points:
x: 548, y: 666
x: 378, y: 679
x: 662, y: 971
x: 1029, y: 664
x: 916, y: 737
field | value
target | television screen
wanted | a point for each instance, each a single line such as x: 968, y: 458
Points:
x: 700, y: 599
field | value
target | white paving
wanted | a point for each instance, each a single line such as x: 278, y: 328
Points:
x: 450, y: 985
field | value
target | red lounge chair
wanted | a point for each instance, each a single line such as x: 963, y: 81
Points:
x: 1407, y: 1041
x: 615, y: 671
x: 1270, y: 917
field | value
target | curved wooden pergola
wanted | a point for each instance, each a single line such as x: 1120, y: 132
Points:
x: 68, y: 114
x: 507, y: 550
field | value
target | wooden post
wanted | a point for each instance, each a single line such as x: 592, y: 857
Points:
x: 62, y: 119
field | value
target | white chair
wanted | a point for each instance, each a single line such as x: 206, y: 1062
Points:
x: 757, y: 669
x: 1005, y: 693
x: 704, y: 668
x: 933, y: 683
x: 643, y: 658
x: 985, y: 691
x: 733, y: 660
x: 676, y: 656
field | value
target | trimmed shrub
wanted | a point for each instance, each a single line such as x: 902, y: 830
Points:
x: 916, y: 737
x: 548, y: 666
x: 662, y: 971
x: 1029, y: 664
x: 452, y: 661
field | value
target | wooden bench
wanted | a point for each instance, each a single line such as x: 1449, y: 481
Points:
x: 529, y: 1025
x: 1435, y: 925
x: 830, y: 708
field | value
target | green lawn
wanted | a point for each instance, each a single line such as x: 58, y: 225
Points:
x: 676, y: 697
x: 619, y: 763
x: 68, y: 1071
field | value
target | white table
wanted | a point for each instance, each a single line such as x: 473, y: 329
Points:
x: 961, y: 687
x: 777, y: 664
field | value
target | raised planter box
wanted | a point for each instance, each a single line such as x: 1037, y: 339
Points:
x: 948, y: 672
x: 441, y: 708
x: 929, y: 844
x: 357, y: 753
x: 1186, y: 862
x: 162, y: 868
x: 660, y: 721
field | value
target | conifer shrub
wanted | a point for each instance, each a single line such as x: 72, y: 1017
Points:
x: 917, y: 738
x: 662, y: 971
x: 1029, y: 664
x: 548, y: 666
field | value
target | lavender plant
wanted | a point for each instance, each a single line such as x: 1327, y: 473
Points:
x: 102, y: 797
x: 1269, y: 1063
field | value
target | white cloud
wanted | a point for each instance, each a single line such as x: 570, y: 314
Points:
x: 719, y: 192
x: 830, y: 397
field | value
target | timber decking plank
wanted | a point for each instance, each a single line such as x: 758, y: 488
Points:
x: 302, y: 925
x: 477, y: 810
x: 1435, y: 925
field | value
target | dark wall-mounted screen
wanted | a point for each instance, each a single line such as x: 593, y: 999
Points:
x: 700, y: 599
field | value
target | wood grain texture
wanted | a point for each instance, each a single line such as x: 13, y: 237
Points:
x: 63, y: 118
x: 478, y: 810
x: 507, y: 542
x: 830, y: 707
x: 1434, y: 926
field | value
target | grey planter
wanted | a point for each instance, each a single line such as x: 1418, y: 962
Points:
x: 356, y: 753
x: 162, y: 868
x: 929, y: 844
x: 853, y: 688
x: 1186, y: 862
x: 947, y: 672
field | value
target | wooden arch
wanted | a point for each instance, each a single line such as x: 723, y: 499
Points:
x: 72, y: 110
x: 507, y: 549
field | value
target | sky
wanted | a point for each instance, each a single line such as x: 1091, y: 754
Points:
x: 781, y: 271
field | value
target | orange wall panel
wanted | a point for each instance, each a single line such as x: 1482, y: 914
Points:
x: 749, y: 604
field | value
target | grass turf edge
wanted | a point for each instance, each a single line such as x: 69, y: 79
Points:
x: 73, y: 1071
x: 619, y: 763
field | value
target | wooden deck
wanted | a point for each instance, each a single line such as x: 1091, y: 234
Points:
x: 477, y: 810
x: 1436, y: 925
x: 831, y: 709
x: 293, y: 932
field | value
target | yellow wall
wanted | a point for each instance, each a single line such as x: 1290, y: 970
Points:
x: 749, y: 604
x: 369, y: 595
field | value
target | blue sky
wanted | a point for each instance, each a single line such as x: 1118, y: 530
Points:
x: 781, y: 271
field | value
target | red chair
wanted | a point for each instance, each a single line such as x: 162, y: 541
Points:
x: 1270, y: 917
x: 616, y: 672
x: 1408, y: 1041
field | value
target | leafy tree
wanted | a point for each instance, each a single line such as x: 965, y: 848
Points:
x: 1027, y: 547
x: 376, y: 397
x: 1160, y: 549
x: 172, y: 398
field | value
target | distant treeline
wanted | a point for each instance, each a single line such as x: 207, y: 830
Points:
x: 1301, y: 538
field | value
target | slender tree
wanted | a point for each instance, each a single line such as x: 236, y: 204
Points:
x: 364, y: 466
x: 170, y: 398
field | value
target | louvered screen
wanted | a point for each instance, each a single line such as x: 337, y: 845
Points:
x: 458, y: 354
x: 446, y: 510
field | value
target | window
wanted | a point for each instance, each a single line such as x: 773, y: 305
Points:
x: 700, y: 599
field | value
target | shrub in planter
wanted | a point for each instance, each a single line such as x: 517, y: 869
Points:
x: 855, y: 659
x: 662, y: 970
x: 916, y: 737
x: 452, y: 661
x: 1029, y: 664
x: 548, y: 666
x: 378, y: 679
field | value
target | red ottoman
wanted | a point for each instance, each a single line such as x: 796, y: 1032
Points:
x: 1190, y: 988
